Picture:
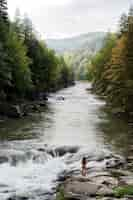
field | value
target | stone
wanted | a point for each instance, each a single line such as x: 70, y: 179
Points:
x: 3, y: 159
x: 10, y: 110
x: 119, y: 172
x: 105, y: 191
x: 128, y: 180
x: 61, y: 151
x: 115, y: 163
x: 81, y: 188
x: 108, y: 181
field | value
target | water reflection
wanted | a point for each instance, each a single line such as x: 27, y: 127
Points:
x: 80, y: 118
x: 117, y: 133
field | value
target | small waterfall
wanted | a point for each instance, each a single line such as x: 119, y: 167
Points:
x: 32, y: 173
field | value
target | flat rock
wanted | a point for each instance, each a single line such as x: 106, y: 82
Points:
x: 108, y: 181
x: 105, y: 191
x: 81, y: 188
x: 128, y: 180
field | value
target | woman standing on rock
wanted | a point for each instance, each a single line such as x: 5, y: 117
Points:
x: 84, y: 168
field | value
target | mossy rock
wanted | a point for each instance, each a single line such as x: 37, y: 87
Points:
x: 123, y: 191
x: 60, y: 194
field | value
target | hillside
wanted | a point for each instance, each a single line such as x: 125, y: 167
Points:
x: 78, y: 50
x: 91, y: 40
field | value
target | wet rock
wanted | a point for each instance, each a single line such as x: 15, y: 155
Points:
x: 80, y: 188
x: 117, y: 112
x: 17, y: 198
x: 36, y: 107
x: 41, y: 149
x: 3, y: 159
x: 127, y: 180
x: 98, y: 174
x: 105, y: 191
x: 128, y: 197
x: 61, y: 98
x: 115, y: 162
x: 73, y: 197
x: 62, y: 177
x: 130, y: 159
x: 109, y: 198
x: 42, y: 103
x: 119, y: 172
x: 108, y: 181
x: 80, y: 179
x: 9, y: 110
x: 61, y: 151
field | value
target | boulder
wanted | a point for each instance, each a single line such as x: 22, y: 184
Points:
x: 105, y: 191
x: 18, y: 198
x: 107, y: 181
x: 80, y: 188
x: 127, y: 180
x: 61, y: 98
x: 11, y: 110
x: 61, y: 151
x: 3, y: 159
x: 115, y: 162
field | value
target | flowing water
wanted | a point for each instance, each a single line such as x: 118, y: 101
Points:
x: 37, y: 150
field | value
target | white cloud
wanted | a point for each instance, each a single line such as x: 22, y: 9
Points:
x: 69, y: 17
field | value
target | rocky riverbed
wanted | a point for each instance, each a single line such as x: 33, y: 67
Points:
x: 43, y: 151
x: 108, y: 179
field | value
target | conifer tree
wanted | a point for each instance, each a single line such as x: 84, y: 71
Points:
x: 123, y: 24
x: 3, y: 10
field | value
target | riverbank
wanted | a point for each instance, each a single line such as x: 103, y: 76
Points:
x: 22, y: 107
x: 44, y: 150
x: 111, y: 182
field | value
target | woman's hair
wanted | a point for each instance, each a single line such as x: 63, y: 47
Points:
x: 84, y: 160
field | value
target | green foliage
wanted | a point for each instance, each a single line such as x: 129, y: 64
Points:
x: 27, y: 66
x: 111, y: 69
x: 60, y: 194
x: 97, y: 65
x: 78, y: 50
x: 19, y: 63
x: 122, y: 191
x: 3, y: 11
x: 5, y: 70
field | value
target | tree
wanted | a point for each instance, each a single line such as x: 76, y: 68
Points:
x: 3, y: 11
x: 28, y: 30
x: 123, y: 24
x: 5, y: 70
x: 17, y: 24
x: 19, y: 64
x: 100, y: 60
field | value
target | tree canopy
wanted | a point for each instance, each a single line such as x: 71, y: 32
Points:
x: 112, y: 67
x: 27, y: 66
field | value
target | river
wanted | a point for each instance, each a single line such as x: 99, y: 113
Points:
x: 29, y: 148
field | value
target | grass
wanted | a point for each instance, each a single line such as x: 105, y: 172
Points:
x: 122, y: 191
x: 60, y: 194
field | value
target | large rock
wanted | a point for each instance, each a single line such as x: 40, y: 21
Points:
x: 3, y: 159
x: 80, y: 188
x: 61, y: 151
x: 128, y: 180
x: 105, y: 191
x: 108, y: 181
x: 10, y: 110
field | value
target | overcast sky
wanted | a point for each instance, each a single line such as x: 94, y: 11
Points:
x: 62, y: 18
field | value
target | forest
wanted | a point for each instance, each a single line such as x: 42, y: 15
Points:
x: 27, y: 66
x: 111, y: 68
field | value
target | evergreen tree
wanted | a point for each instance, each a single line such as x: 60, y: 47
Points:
x: 123, y: 24
x: 3, y: 11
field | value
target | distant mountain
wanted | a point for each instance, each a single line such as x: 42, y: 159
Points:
x: 78, y: 50
x: 92, y: 41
